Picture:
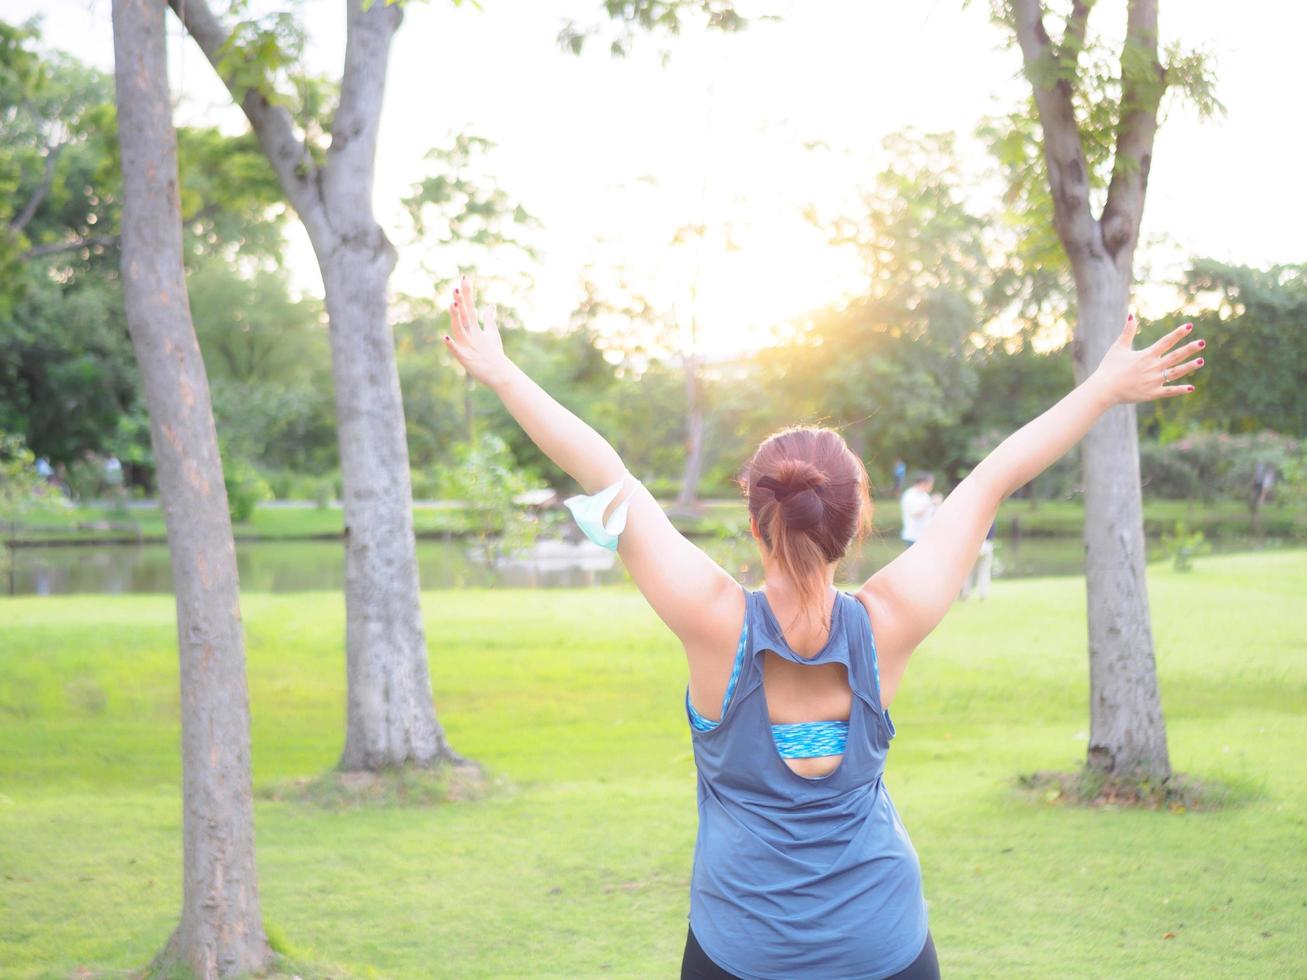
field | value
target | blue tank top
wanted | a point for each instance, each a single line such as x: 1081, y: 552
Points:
x: 798, y: 877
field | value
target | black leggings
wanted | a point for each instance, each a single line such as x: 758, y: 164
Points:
x: 695, y: 965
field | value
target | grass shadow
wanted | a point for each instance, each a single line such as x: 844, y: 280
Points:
x: 399, y: 786
x: 1181, y: 793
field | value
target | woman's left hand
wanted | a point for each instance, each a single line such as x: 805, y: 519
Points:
x: 475, y: 344
x: 1144, y: 375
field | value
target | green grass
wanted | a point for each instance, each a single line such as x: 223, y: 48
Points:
x: 580, y: 866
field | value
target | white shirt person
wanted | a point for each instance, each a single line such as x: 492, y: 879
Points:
x: 917, y: 506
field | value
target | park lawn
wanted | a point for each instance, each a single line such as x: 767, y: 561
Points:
x: 579, y: 864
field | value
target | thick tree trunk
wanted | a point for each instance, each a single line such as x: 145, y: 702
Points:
x: 1127, y: 731
x: 391, y: 717
x: 687, y: 501
x: 221, y: 929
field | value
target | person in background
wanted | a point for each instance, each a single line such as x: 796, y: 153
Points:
x: 917, y: 506
x: 900, y: 474
x: 113, y: 478
x: 978, y: 578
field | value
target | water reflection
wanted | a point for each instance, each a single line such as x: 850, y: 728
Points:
x: 315, y: 566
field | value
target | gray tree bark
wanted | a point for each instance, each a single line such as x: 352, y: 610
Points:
x: 1127, y: 730
x: 687, y: 500
x: 220, y: 933
x: 391, y: 716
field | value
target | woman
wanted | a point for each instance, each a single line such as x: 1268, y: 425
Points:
x: 802, y: 867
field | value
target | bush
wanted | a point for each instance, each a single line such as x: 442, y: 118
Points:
x: 1184, y: 546
x: 85, y: 478
x: 289, y: 485
x: 21, y: 488
x: 1215, y: 465
x: 1167, y: 474
x: 485, y: 477
x: 246, y: 489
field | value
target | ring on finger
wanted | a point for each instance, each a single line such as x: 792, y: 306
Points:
x: 1166, y: 375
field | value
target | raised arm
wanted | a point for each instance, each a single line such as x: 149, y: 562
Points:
x: 909, y: 596
x: 690, y: 592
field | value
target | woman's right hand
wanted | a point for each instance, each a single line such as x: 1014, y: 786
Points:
x: 1128, y: 375
x: 476, y: 344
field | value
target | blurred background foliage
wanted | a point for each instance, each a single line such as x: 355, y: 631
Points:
x: 956, y: 339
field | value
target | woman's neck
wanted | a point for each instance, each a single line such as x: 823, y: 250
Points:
x: 787, y: 602
x: 781, y: 586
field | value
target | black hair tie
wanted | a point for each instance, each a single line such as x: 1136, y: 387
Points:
x: 775, y: 486
x: 801, y: 507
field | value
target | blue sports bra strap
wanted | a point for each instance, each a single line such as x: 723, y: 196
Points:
x: 707, y: 724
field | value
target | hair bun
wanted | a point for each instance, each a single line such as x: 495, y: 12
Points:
x: 801, y: 505
x: 803, y: 509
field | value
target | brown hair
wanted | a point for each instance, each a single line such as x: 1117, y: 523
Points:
x: 809, y: 494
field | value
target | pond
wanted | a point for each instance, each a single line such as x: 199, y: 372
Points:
x: 299, y: 566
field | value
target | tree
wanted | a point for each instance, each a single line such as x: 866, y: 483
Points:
x: 894, y: 369
x: 664, y: 18
x: 266, y: 354
x: 1097, y: 126
x: 462, y: 219
x: 1243, y: 313
x: 391, y: 719
x: 67, y: 374
x: 391, y: 716
x: 633, y: 323
x: 221, y: 928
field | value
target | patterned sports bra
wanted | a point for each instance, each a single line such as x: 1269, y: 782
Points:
x: 802, y: 740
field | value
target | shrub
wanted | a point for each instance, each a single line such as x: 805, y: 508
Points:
x: 246, y: 489
x: 485, y: 477
x: 1216, y: 465
x: 1184, y: 546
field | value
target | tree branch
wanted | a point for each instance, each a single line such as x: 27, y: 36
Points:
x: 352, y: 155
x: 1143, y: 80
x: 1073, y: 41
x: 271, y: 123
x: 54, y: 248
x: 1068, y: 175
x: 29, y: 209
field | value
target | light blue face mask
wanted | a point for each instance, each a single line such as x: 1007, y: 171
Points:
x: 589, y: 514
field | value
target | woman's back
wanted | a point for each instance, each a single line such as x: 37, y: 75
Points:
x: 796, y: 875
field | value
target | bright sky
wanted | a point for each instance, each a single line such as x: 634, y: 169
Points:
x: 721, y: 130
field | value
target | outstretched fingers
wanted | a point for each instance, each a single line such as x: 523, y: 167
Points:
x: 1180, y: 371
x: 466, y: 304
x: 1183, y: 353
x: 1167, y: 341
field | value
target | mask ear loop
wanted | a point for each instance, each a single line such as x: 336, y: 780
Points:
x: 616, y: 523
x: 588, y: 510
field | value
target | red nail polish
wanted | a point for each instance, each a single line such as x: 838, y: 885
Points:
x: 1200, y: 362
x: 1202, y: 344
x: 1188, y: 326
x: 1191, y: 387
